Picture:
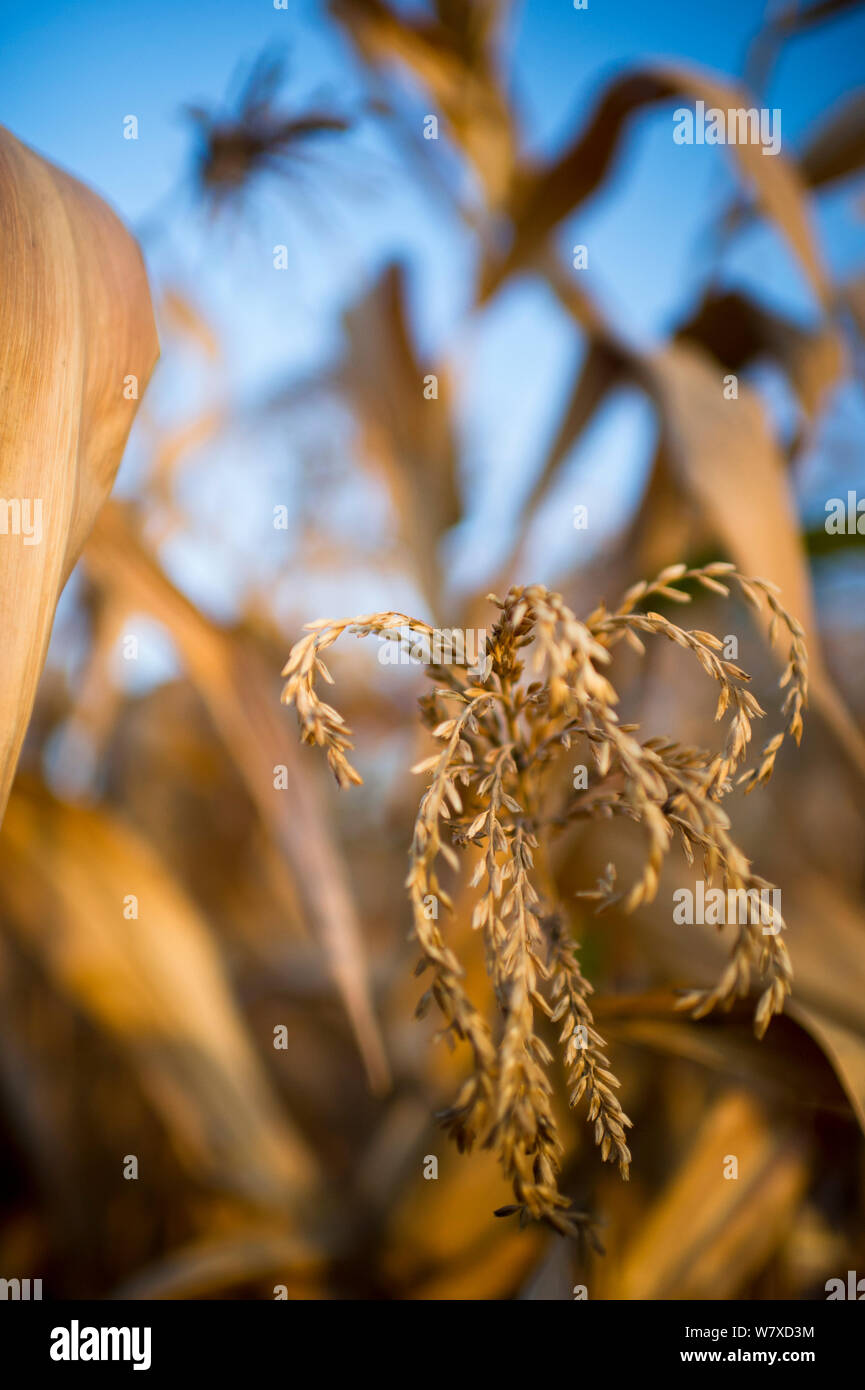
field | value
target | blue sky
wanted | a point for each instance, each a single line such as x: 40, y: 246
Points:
x: 70, y: 72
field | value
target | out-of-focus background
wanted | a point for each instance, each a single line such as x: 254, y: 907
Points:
x: 385, y: 384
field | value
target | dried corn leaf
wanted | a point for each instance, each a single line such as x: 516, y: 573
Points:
x: 155, y: 984
x: 829, y: 1000
x: 77, y: 346
x: 724, y: 455
x: 216, y: 1265
x: 708, y: 1234
x: 243, y: 702
x: 737, y: 331
x: 408, y: 439
x: 727, y: 1045
x: 826, y: 931
x: 453, y: 57
x: 546, y: 195
x: 601, y: 370
x: 837, y: 148
x: 184, y: 318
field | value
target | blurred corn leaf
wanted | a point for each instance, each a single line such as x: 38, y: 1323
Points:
x: 407, y: 438
x: 186, y: 319
x: 452, y: 54
x: 730, y: 462
x: 837, y: 147
x: 155, y: 984
x: 738, y: 332
x: 705, y: 1236
x: 212, y: 1267
x: 726, y: 458
x: 546, y: 195
x: 236, y: 688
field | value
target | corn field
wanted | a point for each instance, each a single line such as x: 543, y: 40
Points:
x: 409, y: 968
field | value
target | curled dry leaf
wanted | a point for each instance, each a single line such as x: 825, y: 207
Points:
x: 76, y: 325
x: 546, y: 195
